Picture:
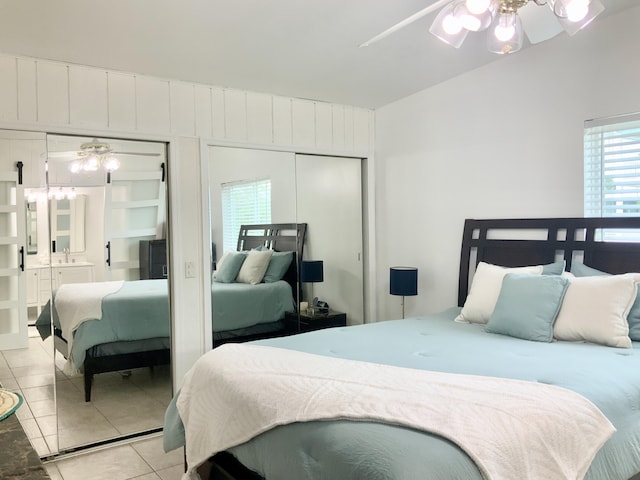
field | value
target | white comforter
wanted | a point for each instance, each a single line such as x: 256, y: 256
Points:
x: 76, y: 303
x: 510, y: 428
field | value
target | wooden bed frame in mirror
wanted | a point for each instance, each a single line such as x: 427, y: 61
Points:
x: 279, y: 237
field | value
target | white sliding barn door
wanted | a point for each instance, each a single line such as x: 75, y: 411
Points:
x: 16, y: 156
x: 329, y: 200
x: 135, y: 206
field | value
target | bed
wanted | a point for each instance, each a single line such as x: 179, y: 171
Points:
x: 606, y: 378
x: 134, y: 326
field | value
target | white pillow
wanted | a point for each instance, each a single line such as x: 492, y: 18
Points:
x: 484, y: 291
x: 595, y: 310
x: 254, y: 267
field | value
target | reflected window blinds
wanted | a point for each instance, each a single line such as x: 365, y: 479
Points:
x: 244, y: 203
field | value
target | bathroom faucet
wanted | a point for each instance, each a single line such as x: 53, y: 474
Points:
x: 66, y: 255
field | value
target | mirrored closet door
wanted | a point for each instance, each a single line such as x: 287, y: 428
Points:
x: 253, y: 187
x: 90, y: 218
x: 323, y: 194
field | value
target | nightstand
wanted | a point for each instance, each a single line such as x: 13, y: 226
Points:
x: 317, y: 322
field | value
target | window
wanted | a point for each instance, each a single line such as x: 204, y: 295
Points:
x: 244, y: 203
x: 612, y: 169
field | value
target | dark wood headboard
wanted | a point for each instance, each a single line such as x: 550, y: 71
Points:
x: 537, y: 241
x: 279, y: 237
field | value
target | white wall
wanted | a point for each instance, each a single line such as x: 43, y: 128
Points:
x: 502, y: 141
x: 54, y: 97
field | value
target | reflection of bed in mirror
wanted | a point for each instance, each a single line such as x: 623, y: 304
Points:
x: 113, y: 326
x: 121, y: 325
x: 243, y: 311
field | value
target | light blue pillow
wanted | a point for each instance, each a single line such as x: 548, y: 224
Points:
x: 528, y: 306
x: 229, y: 266
x: 579, y: 269
x: 633, y: 319
x: 278, y: 266
x: 556, y: 268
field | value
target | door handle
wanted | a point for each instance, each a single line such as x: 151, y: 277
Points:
x: 22, y: 258
x: 108, y: 247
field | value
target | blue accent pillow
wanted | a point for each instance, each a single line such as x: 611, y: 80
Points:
x: 633, y: 319
x: 556, y: 268
x: 278, y: 266
x: 528, y: 306
x: 581, y: 270
x: 229, y: 266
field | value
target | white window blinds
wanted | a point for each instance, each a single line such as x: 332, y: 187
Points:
x: 612, y: 167
x: 244, y: 203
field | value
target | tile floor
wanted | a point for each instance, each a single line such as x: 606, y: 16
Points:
x: 76, y: 422
x: 140, y: 460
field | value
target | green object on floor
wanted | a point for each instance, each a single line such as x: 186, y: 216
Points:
x: 9, y: 403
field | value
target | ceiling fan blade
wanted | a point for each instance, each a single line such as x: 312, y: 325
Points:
x: 407, y: 21
x: 538, y: 22
x: 72, y: 154
x: 139, y: 154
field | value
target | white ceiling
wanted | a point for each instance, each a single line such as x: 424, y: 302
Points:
x: 304, y: 49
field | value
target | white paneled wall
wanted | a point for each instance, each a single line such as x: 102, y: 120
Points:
x: 53, y: 94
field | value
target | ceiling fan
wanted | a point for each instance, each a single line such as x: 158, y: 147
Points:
x: 506, y: 20
x: 94, y: 154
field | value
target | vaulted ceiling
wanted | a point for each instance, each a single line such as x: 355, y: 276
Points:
x: 304, y: 49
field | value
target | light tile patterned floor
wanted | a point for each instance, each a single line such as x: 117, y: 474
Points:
x: 142, y: 460
x: 120, y: 405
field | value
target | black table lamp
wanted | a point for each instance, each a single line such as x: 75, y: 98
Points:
x: 403, y: 281
x: 311, y: 271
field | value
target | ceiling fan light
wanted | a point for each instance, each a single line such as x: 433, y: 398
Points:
x: 447, y: 26
x: 451, y: 24
x: 111, y: 163
x: 507, y: 35
x: 571, y: 13
x: 91, y: 163
x: 75, y: 166
x: 469, y: 20
x: 504, y: 28
x: 478, y: 6
x: 472, y: 21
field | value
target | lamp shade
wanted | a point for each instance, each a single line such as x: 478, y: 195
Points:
x: 311, y: 271
x: 403, y: 281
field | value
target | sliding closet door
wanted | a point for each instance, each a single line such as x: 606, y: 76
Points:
x: 13, y: 299
x: 134, y: 211
x: 20, y: 155
x: 117, y: 209
x: 329, y: 200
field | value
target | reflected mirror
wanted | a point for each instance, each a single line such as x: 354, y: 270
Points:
x: 323, y: 193
x: 32, y: 227
x: 253, y: 187
x: 97, y: 377
x: 67, y: 210
x: 112, y: 363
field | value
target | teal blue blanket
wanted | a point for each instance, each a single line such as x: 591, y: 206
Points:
x: 241, y: 305
x: 609, y: 377
x: 137, y: 311
x: 140, y: 310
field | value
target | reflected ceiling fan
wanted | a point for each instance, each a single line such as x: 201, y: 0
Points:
x: 95, y: 154
x: 506, y: 20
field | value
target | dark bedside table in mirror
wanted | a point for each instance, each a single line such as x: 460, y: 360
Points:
x: 316, y: 322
